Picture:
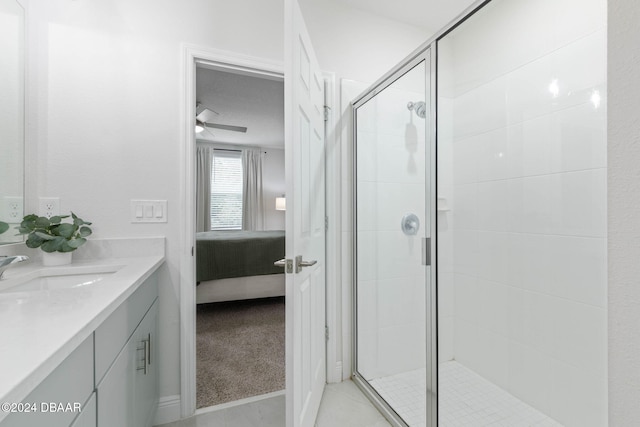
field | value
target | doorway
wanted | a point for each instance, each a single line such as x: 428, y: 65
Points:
x: 209, y: 59
x: 240, y: 222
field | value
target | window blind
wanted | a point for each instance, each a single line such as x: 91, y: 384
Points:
x: 226, y: 190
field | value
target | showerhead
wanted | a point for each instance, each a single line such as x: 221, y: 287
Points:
x: 419, y: 107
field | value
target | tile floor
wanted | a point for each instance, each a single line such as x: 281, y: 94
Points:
x: 466, y: 400
x: 343, y: 405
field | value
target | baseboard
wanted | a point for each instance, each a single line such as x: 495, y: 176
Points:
x: 168, y: 410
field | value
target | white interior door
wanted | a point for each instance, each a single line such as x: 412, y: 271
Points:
x: 305, y: 222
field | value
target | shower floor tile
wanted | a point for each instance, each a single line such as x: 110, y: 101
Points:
x: 466, y: 400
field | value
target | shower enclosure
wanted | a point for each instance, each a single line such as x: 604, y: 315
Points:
x: 480, y: 222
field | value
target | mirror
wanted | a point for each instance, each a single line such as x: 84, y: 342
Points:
x: 12, y: 112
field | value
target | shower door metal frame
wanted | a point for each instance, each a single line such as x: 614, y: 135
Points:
x: 425, y: 55
x: 428, y: 50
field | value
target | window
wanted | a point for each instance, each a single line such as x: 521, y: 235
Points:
x: 226, y: 190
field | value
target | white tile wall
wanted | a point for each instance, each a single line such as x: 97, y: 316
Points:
x: 524, y: 126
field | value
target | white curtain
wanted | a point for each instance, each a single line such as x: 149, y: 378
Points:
x: 204, y: 155
x: 252, y: 202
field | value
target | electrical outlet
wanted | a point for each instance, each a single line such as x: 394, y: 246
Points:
x: 13, y: 209
x: 49, y: 206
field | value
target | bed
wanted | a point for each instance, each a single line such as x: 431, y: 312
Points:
x: 236, y: 265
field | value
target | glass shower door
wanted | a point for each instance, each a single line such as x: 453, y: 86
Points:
x: 392, y: 227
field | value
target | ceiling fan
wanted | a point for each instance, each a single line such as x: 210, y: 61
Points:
x: 204, y: 116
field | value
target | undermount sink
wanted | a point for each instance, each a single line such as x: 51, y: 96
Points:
x: 59, y: 278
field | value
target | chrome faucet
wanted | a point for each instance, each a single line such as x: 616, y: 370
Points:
x: 8, y: 261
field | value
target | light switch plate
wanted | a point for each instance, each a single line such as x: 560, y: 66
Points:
x: 148, y: 211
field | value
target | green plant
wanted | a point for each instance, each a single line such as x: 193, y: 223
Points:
x: 54, y: 235
x: 3, y: 227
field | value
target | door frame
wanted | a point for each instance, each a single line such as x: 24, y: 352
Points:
x: 191, y: 57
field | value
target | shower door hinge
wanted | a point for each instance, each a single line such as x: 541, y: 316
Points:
x: 326, y: 222
x: 326, y: 112
x: 326, y: 333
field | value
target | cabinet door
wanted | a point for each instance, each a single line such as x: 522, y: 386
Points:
x: 87, y: 417
x: 128, y: 392
x: 71, y: 383
x: 146, y: 381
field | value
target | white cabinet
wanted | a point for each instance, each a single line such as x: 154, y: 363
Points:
x: 70, y: 383
x: 112, y: 375
x: 127, y: 395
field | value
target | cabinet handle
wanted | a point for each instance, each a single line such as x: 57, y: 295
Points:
x: 149, y: 347
x: 145, y: 350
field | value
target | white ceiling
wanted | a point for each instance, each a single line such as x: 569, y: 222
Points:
x: 431, y: 15
x: 240, y: 100
x: 258, y: 103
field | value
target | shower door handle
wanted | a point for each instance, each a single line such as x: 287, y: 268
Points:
x: 426, y: 251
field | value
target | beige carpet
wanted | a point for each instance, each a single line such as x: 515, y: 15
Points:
x: 240, y: 350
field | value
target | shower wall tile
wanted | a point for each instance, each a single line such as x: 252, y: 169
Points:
x: 569, y: 64
x: 580, y: 138
x: 466, y: 298
x: 578, y: 199
x: 466, y: 343
x: 528, y: 219
x: 466, y: 250
x: 491, y: 200
x: 493, y: 255
x: 530, y: 262
x: 367, y: 305
x: 493, y: 357
x: 465, y: 215
x: 481, y: 110
x: 579, y: 336
x: 530, y: 147
x: 445, y: 295
x: 411, y: 341
x: 465, y: 165
x: 445, y: 338
x: 528, y: 91
x: 493, y: 313
x: 382, y: 205
x: 403, y: 302
x: 576, y: 269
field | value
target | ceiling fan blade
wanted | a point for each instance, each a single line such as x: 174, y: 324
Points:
x: 226, y: 127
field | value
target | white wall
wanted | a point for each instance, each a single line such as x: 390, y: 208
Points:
x: 274, y: 184
x: 356, y: 44
x: 623, y: 203
x: 529, y: 202
x: 11, y: 113
x: 104, y: 114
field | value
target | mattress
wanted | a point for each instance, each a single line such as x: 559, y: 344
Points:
x: 235, y: 253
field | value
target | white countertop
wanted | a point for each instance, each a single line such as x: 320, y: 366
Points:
x: 39, y: 329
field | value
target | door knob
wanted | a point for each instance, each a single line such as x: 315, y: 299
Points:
x: 300, y: 263
x: 287, y: 264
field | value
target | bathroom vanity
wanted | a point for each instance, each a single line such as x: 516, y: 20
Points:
x: 78, y: 343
